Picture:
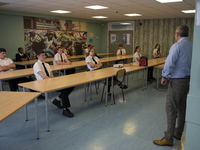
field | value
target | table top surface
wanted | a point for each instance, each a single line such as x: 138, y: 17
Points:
x: 61, y: 82
x: 13, y: 101
x: 30, y: 62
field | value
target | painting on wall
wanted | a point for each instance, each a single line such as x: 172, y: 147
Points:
x: 50, y: 40
x: 114, y: 39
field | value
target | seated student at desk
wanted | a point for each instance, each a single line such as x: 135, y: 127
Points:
x: 136, y: 58
x: 21, y: 56
x: 61, y: 59
x: 87, y: 49
x: 92, y: 60
x: 42, y: 71
x: 156, y: 52
x: 6, y: 64
x: 121, y: 52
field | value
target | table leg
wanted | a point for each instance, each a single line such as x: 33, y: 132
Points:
x: 112, y: 91
x: 36, y: 118
x: 25, y: 66
x: 26, y: 109
x: 47, y: 111
x: 143, y: 79
x: 106, y: 102
x: 157, y: 77
x: 1, y: 87
x: 146, y: 77
x: 85, y: 90
x: 90, y: 90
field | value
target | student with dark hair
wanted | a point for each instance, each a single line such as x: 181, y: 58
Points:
x: 6, y: 64
x: 42, y: 71
x: 121, y: 51
x: 21, y: 56
x: 156, y: 52
x: 87, y: 49
x: 136, y: 58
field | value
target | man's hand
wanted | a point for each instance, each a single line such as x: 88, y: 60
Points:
x: 164, y: 81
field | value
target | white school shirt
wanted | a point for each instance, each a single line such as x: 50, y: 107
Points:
x: 39, y: 67
x: 5, y: 62
x: 119, y: 51
x: 155, y: 51
x: 135, y: 56
x: 57, y: 57
x: 89, y: 59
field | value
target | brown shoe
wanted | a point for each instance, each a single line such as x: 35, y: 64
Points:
x: 162, y: 142
x: 175, y: 136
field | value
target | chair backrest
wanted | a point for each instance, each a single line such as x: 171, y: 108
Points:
x: 121, y: 73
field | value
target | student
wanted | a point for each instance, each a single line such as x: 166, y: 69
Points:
x: 92, y: 61
x: 61, y: 59
x: 136, y: 58
x: 87, y: 49
x: 62, y: 46
x: 42, y: 71
x: 156, y: 52
x: 21, y: 56
x: 121, y: 51
x: 6, y: 64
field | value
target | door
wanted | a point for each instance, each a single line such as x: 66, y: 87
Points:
x: 121, y: 37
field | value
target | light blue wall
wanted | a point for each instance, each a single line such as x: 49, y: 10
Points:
x: 193, y: 101
x: 12, y: 33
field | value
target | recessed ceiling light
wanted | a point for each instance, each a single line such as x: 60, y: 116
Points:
x: 99, y: 17
x: 169, y: 1
x: 61, y: 11
x: 125, y: 23
x: 188, y: 11
x: 134, y: 14
x: 96, y: 7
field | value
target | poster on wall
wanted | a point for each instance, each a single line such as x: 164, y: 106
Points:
x: 49, y: 34
x: 49, y: 41
x: 126, y: 39
x: 114, y: 39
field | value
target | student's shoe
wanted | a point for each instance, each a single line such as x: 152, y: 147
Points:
x: 67, y: 113
x: 57, y: 103
x: 123, y: 86
x: 41, y: 97
x: 175, y: 136
x: 162, y: 142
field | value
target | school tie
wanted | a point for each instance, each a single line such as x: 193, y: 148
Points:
x: 61, y: 57
x: 121, y: 52
x: 45, y: 70
x: 94, y: 60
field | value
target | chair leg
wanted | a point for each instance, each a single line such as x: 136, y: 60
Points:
x: 103, y: 92
x: 123, y: 94
x: 96, y: 87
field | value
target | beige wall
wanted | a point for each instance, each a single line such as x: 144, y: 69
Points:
x: 160, y: 31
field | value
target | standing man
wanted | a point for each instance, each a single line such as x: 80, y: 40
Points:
x: 177, y: 68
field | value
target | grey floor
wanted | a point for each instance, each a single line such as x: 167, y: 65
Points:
x: 132, y: 124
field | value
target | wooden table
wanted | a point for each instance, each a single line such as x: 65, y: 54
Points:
x: 159, y: 68
x: 58, y: 83
x: 13, y: 101
x: 31, y: 62
x: 26, y: 72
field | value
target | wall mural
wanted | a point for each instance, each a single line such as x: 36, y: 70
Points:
x: 48, y: 35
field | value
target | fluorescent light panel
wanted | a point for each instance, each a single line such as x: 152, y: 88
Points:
x: 61, y: 11
x: 96, y: 7
x: 188, y: 11
x: 169, y: 1
x: 99, y: 17
x: 125, y: 23
x: 134, y: 14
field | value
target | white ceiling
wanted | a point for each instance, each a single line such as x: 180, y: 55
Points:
x: 150, y: 9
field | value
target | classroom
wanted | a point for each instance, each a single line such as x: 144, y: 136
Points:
x: 133, y: 123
